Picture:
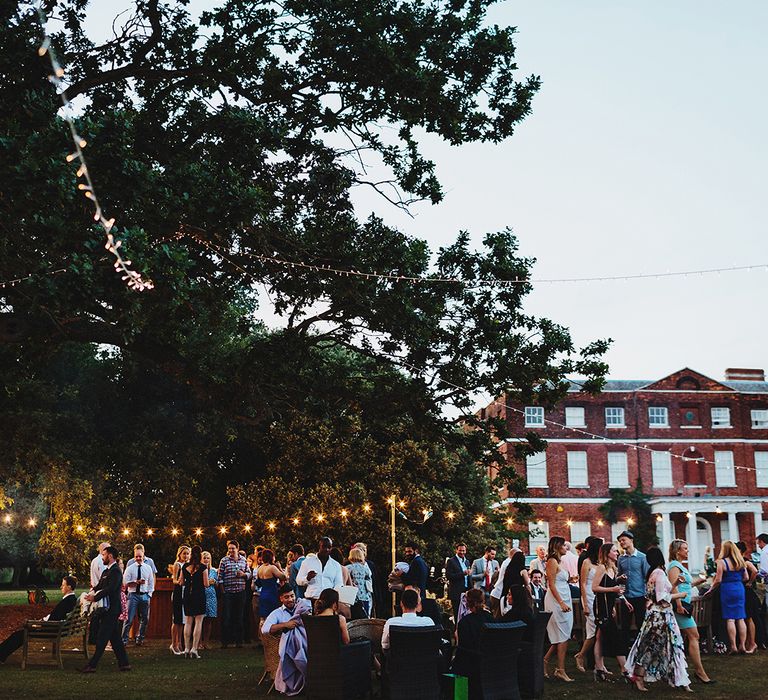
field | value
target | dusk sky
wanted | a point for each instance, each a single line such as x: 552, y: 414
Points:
x: 645, y: 152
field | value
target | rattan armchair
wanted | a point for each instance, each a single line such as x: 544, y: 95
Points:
x: 370, y: 629
x: 530, y: 661
x: 499, y: 648
x: 413, y: 664
x: 335, y: 671
x: 271, y: 645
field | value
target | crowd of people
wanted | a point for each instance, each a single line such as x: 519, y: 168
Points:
x: 637, y: 606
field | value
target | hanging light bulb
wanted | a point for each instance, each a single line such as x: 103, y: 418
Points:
x: 366, y: 507
x: 150, y: 532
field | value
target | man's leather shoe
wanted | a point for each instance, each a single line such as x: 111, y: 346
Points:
x: 87, y: 669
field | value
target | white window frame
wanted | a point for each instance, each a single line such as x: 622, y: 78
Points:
x: 721, y: 416
x: 655, y: 413
x: 620, y: 414
x: 661, y: 468
x: 536, y: 464
x: 575, y: 417
x: 580, y: 530
x: 725, y: 472
x: 541, y: 528
x: 578, y: 469
x: 759, y: 418
x: 617, y: 528
x: 618, y: 470
x: 761, y: 469
x: 530, y: 413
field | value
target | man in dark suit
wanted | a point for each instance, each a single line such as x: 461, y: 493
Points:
x: 457, y: 572
x: 418, y: 571
x: 537, y: 590
x: 110, y: 629
x: 65, y: 606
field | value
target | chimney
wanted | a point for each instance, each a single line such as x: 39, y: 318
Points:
x: 736, y: 374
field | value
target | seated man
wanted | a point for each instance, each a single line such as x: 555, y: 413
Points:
x: 65, y: 606
x: 409, y: 602
x: 282, y: 619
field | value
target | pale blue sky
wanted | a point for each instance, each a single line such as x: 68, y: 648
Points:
x: 645, y: 152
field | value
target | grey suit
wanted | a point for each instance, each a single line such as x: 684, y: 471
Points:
x: 478, y: 574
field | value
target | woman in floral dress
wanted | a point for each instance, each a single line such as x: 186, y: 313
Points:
x: 211, y: 602
x: 658, y: 652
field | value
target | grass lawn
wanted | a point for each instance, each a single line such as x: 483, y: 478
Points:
x: 235, y: 672
x: 16, y: 597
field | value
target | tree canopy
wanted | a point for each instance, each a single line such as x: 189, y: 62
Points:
x: 222, y: 144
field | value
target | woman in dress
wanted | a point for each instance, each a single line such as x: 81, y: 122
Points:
x: 679, y: 576
x: 327, y: 604
x: 586, y: 577
x: 211, y: 602
x: 752, y: 603
x: 177, y: 623
x: 361, y: 577
x: 658, y: 652
x: 516, y: 573
x: 268, y: 578
x: 195, y: 582
x: 729, y: 578
x: 516, y: 606
x: 558, y: 602
x: 609, y: 641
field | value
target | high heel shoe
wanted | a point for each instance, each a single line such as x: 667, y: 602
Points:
x: 638, y: 679
x: 601, y: 675
x: 563, y: 676
x: 580, y: 663
x: 193, y: 654
x: 174, y: 651
x: 546, y: 669
x: 709, y: 681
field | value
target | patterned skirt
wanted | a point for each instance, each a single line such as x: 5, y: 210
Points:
x: 659, y: 648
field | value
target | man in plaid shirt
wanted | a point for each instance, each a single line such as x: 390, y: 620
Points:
x: 233, y: 577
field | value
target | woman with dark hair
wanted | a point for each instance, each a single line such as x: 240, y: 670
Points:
x: 516, y: 606
x: 268, y: 578
x: 327, y: 604
x: 516, y: 573
x: 586, y: 577
x: 558, y: 602
x: 195, y: 575
x: 608, y: 640
x: 658, y: 652
x: 468, y: 631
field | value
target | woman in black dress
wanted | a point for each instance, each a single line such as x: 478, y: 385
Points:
x: 607, y: 588
x: 195, y: 582
x: 177, y: 624
x: 516, y: 574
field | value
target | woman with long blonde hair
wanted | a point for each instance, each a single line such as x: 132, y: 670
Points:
x: 558, y: 601
x: 177, y: 624
x: 729, y: 578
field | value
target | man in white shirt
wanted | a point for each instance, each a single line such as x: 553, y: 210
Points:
x: 97, y: 565
x: 762, y: 543
x: 570, y: 562
x: 140, y: 582
x: 537, y: 590
x: 147, y: 560
x: 540, y: 562
x: 499, y: 585
x: 409, y: 602
x: 320, y: 571
x: 281, y: 619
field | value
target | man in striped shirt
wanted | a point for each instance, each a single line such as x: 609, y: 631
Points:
x: 233, y: 576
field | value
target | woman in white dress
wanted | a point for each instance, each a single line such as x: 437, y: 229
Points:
x: 586, y: 577
x: 558, y: 602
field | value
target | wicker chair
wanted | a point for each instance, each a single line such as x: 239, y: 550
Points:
x: 499, y: 648
x: 702, y: 615
x: 413, y: 667
x: 530, y: 661
x: 335, y: 671
x: 370, y: 629
x: 271, y: 645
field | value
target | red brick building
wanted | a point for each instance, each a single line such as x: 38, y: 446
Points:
x: 699, y: 445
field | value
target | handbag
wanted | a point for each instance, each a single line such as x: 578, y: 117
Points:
x: 687, y: 608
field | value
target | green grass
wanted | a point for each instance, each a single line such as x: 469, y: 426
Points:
x: 16, y: 597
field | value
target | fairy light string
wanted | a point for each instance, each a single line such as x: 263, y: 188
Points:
x: 19, y: 280
x: 133, y: 279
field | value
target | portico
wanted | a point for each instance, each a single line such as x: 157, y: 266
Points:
x: 699, y: 514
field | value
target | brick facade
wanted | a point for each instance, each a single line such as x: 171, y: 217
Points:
x: 686, y: 485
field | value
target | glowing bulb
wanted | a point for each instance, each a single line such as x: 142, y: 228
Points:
x: 630, y: 521
x: 295, y: 521
x: 450, y: 515
x: 247, y: 528
x: 71, y: 157
x: 320, y: 518
x: 658, y: 518
x: 689, y: 515
x: 175, y: 531
x: 600, y: 523
x: 126, y: 532
x: 222, y: 530
x: 539, y: 522
x: 8, y: 518
x: 569, y: 522
x: 480, y: 519
x: 59, y: 72
x: 510, y: 522
x: 83, y: 143
x: 366, y: 507
x: 271, y: 525
x: 391, y: 500
x: 150, y: 531
x: 401, y: 504
x: 102, y: 530
x: 32, y: 522
x: 199, y: 531
x: 79, y: 528
x: 344, y: 513
x: 718, y: 510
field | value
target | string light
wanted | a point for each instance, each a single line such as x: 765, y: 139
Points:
x: 401, y: 505
x: 480, y: 519
x: 320, y: 518
x: 510, y: 522
x: 32, y: 522
x: 133, y: 279
x: 271, y: 525
x: 222, y: 530
x: 718, y: 510
x: 599, y: 523
x: 198, y: 532
x: 102, y: 530
x: 569, y: 522
x: 126, y: 532
x: 470, y: 284
x: 8, y: 518
x: 689, y: 515
x: 630, y: 521
x: 295, y: 521
x: 450, y: 515
x: 19, y: 280
x: 79, y: 528
x: 658, y: 518
x: 247, y: 528
x: 150, y: 532
x: 174, y: 531
x: 366, y: 507
x: 343, y: 513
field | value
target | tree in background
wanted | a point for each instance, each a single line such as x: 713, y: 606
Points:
x: 221, y: 144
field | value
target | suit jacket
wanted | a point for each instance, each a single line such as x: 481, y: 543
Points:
x: 478, y: 572
x: 65, y: 606
x: 538, y: 596
x: 109, y: 586
x: 457, y: 579
x: 417, y: 575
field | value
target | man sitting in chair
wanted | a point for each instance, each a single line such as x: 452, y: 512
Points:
x: 409, y: 602
x: 65, y: 606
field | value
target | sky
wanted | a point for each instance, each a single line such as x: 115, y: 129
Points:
x: 645, y: 152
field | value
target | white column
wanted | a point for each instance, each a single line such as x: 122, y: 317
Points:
x: 665, y: 538
x: 733, y: 527
x: 758, y: 522
x: 692, y: 536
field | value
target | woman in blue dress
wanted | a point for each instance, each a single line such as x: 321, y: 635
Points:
x: 729, y: 578
x: 211, y: 602
x: 268, y: 578
x: 680, y: 576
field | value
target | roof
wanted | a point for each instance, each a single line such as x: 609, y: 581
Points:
x: 742, y: 386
